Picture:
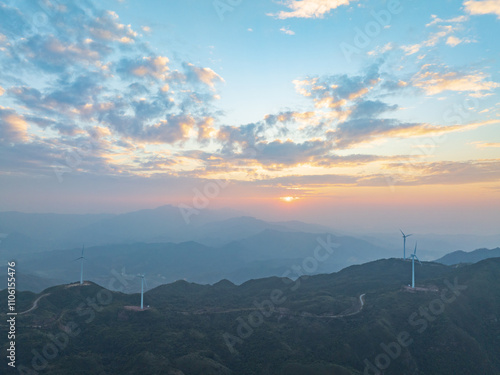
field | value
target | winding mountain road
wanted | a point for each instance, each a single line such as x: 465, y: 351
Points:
x: 361, y: 305
x: 285, y: 312
x: 35, y: 304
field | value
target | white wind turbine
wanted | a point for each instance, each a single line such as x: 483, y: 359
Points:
x: 413, y: 257
x: 143, y: 281
x: 404, y: 243
x: 81, y: 259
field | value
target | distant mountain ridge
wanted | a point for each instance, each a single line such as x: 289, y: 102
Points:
x: 475, y: 256
x: 25, y: 232
x: 268, y: 253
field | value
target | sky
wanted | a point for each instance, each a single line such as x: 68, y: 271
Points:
x: 358, y: 114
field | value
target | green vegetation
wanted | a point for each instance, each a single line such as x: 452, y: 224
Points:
x: 315, y: 325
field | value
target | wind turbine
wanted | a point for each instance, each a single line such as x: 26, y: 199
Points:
x: 413, y: 256
x: 81, y: 259
x: 143, y: 281
x: 404, y: 243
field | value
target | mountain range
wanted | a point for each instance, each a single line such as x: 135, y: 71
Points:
x: 361, y: 320
x: 210, y: 246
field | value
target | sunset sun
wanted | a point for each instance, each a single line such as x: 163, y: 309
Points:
x: 289, y: 199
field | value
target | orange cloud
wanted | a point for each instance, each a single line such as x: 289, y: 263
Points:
x: 156, y: 67
x: 434, y: 83
x: 108, y: 28
x: 14, y: 128
x: 368, y: 130
x: 205, y: 75
x: 483, y: 7
x: 486, y: 144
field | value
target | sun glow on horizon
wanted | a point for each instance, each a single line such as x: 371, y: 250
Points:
x: 289, y: 199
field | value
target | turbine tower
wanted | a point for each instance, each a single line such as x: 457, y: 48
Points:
x: 81, y: 259
x: 413, y: 256
x: 143, y: 281
x: 404, y: 243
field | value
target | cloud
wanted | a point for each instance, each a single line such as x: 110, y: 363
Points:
x: 51, y: 54
x: 2, y: 90
x: 446, y: 29
x: 171, y: 130
x: 308, y: 181
x: 357, y: 131
x: 341, y: 98
x: 486, y: 144
x: 204, y: 75
x: 144, y: 123
x: 106, y: 27
x: 381, y: 50
x: 206, y: 129
x: 13, y: 127
x: 287, y: 31
x: 101, y: 81
x: 278, y: 153
x: 155, y: 67
x: 454, y: 41
x: 147, y: 113
x: 13, y: 23
x: 70, y: 97
x: 431, y: 42
x: 40, y: 156
x: 405, y: 173
x: 338, y: 90
x: 310, y: 8
x: 444, y: 172
x: 437, y: 20
x: 371, y: 108
x: 249, y: 152
x: 434, y: 82
x: 288, y: 116
x: 483, y: 7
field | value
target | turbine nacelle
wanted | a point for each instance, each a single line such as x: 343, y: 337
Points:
x: 405, y: 235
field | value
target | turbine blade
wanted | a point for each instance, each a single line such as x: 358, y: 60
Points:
x: 418, y: 259
x: 408, y: 235
x: 402, y: 232
x: 415, y: 251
